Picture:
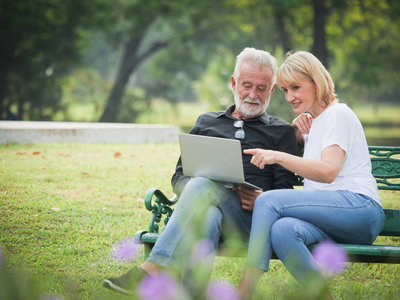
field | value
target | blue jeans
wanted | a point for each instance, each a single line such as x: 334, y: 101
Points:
x: 204, y: 209
x: 287, y: 221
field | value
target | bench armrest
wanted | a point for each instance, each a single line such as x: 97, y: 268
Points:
x: 160, y: 205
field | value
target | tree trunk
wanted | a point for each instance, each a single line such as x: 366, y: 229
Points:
x: 319, y: 49
x: 8, y: 42
x: 283, y: 35
x: 130, y: 62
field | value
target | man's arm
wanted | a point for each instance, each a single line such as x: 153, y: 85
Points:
x: 178, y: 180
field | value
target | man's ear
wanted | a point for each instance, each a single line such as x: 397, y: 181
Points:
x: 273, y: 89
x: 233, y: 83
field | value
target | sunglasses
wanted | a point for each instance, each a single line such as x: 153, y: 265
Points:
x: 239, y: 134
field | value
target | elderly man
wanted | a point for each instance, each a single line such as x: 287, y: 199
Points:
x: 222, y: 211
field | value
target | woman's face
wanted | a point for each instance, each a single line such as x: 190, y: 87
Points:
x: 302, y: 96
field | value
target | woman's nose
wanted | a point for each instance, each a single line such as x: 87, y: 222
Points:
x: 289, y: 96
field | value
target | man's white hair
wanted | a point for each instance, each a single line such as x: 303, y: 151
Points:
x: 258, y: 58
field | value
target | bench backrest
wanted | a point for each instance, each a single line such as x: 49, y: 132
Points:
x: 386, y: 170
x: 385, y: 167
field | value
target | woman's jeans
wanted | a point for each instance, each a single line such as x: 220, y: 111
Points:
x: 287, y: 221
x: 205, y: 210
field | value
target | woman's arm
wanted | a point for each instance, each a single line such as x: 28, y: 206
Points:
x: 325, y: 170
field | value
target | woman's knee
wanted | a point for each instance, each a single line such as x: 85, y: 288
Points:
x: 283, y: 230
x: 262, y: 200
x: 275, y: 198
x: 287, y: 232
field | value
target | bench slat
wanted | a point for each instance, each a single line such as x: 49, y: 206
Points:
x: 372, y: 253
x: 356, y: 253
x: 392, y: 223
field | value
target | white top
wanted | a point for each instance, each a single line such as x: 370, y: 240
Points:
x: 338, y: 125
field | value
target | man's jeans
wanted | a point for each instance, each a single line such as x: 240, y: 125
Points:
x: 204, y: 209
x: 286, y: 221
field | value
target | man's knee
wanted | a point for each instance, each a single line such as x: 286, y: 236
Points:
x: 199, y: 185
x: 213, y: 223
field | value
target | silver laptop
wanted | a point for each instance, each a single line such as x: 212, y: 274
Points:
x: 214, y: 158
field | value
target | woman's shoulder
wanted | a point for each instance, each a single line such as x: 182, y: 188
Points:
x: 340, y: 109
x: 340, y: 115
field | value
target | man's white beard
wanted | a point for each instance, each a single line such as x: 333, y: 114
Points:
x: 250, y: 111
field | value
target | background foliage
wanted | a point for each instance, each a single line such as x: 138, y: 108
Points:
x: 113, y: 59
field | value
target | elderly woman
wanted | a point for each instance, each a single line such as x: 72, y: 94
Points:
x: 339, y: 201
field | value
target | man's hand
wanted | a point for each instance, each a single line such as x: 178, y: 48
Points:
x: 247, y: 196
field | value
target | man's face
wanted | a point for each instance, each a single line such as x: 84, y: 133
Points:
x: 253, y: 90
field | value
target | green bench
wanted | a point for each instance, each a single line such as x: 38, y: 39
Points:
x: 386, y: 170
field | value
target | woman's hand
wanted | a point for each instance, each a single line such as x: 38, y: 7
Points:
x: 262, y: 157
x: 302, y: 125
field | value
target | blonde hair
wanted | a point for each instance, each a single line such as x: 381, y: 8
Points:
x: 305, y: 64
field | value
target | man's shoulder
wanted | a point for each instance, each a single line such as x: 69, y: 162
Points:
x: 211, y: 115
x: 273, y: 120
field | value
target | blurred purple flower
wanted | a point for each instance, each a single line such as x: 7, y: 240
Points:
x: 125, y: 250
x: 200, y: 251
x: 159, y: 287
x: 331, y: 257
x: 221, y: 290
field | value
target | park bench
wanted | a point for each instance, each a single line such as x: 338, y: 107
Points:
x: 386, y: 170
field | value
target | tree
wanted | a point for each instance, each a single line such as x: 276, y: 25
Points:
x: 365, y: 41
x: 321, y: 12
x: 182, y: 22
x: 41, y: 41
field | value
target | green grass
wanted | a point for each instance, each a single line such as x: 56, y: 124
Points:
x: 64, y: 206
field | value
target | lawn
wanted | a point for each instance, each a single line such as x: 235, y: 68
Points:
x: 64, y: 207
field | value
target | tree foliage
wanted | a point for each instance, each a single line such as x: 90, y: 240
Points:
x: 181, y: 26
x: 365, y: 41
x: 181, y: 50
x: 40, y: 41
